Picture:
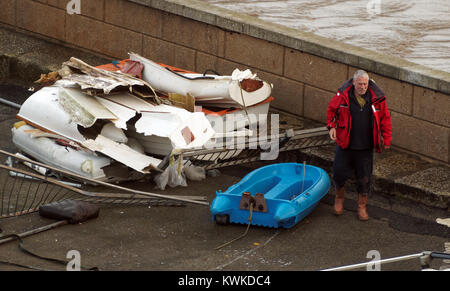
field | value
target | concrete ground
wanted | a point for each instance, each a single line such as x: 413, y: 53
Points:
x: 185, y: 238
x: 410, y: 193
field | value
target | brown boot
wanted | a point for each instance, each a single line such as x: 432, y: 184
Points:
x: 339, y: 201
x: 362, y: 202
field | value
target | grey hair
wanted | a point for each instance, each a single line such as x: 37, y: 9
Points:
x: 360, y: 73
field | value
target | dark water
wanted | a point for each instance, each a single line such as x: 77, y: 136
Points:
x: 416, y: 30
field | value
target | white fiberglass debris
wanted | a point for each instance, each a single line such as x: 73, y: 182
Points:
x: 95, y: 78
x: 184, y: 129
x: 110, y: 131
x: 45, y: 150
x: 83, y: 109
x: 134, y: 144
x: 123, y: 113
x: 122, y: 153
x: 239, y: 75
x: 43, y: 110
x: 203, y: 88
x: 130, y: 101
x: 443, y: 221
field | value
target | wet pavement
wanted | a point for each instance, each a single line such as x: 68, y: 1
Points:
x: 184, y: 238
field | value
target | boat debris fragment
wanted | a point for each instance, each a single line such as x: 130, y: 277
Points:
x: 239, y: 89
x: 133, y: 113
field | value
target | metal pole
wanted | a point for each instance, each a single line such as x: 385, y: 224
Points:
x: 9, y: 103
x: 385, y: 261
x: 34, y: 231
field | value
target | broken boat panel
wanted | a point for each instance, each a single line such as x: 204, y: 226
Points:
x: 203, y: 87
x: 184, y: 129
x: 47, y: 151
x: 97, y: 79
x: 123, y: 113
x: 153, y: 144
x: 43, y: 110
x: 122, y: 153
x: 83, y: 109
x: 130, y: 101
x: 99, y: 113
x: 161, y: 132
x: 240, y: 118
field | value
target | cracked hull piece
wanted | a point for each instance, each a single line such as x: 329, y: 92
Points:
x: 83, y: 109
x: 45, y: 150
x: 123, y: 154
x: 42, y: 110
x: 95, y: 78
x: 213, y: 89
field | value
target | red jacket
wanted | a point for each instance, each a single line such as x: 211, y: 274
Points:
x: 338, y: 116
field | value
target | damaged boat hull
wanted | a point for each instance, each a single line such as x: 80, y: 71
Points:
x: 205, y: 88
x: 45, y: 150
x: 43, y: 110
x: 281, y: 195
x: 237, y: 120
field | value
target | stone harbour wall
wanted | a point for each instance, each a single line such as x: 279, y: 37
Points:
x: 305, y: 69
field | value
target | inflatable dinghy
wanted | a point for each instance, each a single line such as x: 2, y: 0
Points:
x: 278, y: 195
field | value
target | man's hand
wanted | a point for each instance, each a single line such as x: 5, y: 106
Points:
x: 333, y: 133
x: 386, y: 147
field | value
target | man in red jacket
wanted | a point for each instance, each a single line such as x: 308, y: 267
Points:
x: 359, y: 121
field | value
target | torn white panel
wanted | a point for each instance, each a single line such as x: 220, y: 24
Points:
x: 123, y: 113
x: 85, y: 82
x: 168, y: 81
x: 84, y: 110
x: 245, y: 98
x: 195, y: 132
x: 95, y: 78
x: 184, y: 129
x: 203, y: 87
x: 154, y: 144
x: 158, y: 123
x: 45, y: 150
x: 131, y: 102
x: 239, y: 75
x: 134, y: 144
x: 443, y: 221
x: 35, y: 133
x: 162, y: 120
x: 113, y: 133
x: 250, y: 117
x: 123, y: 154
x: 42, y: 109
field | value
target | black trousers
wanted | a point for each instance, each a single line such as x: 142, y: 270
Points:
x: 350, y: 162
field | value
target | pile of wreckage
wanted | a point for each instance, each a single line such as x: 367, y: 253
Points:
x: 117, y: 122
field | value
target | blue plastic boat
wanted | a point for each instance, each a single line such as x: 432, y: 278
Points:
x: 279, y: 195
